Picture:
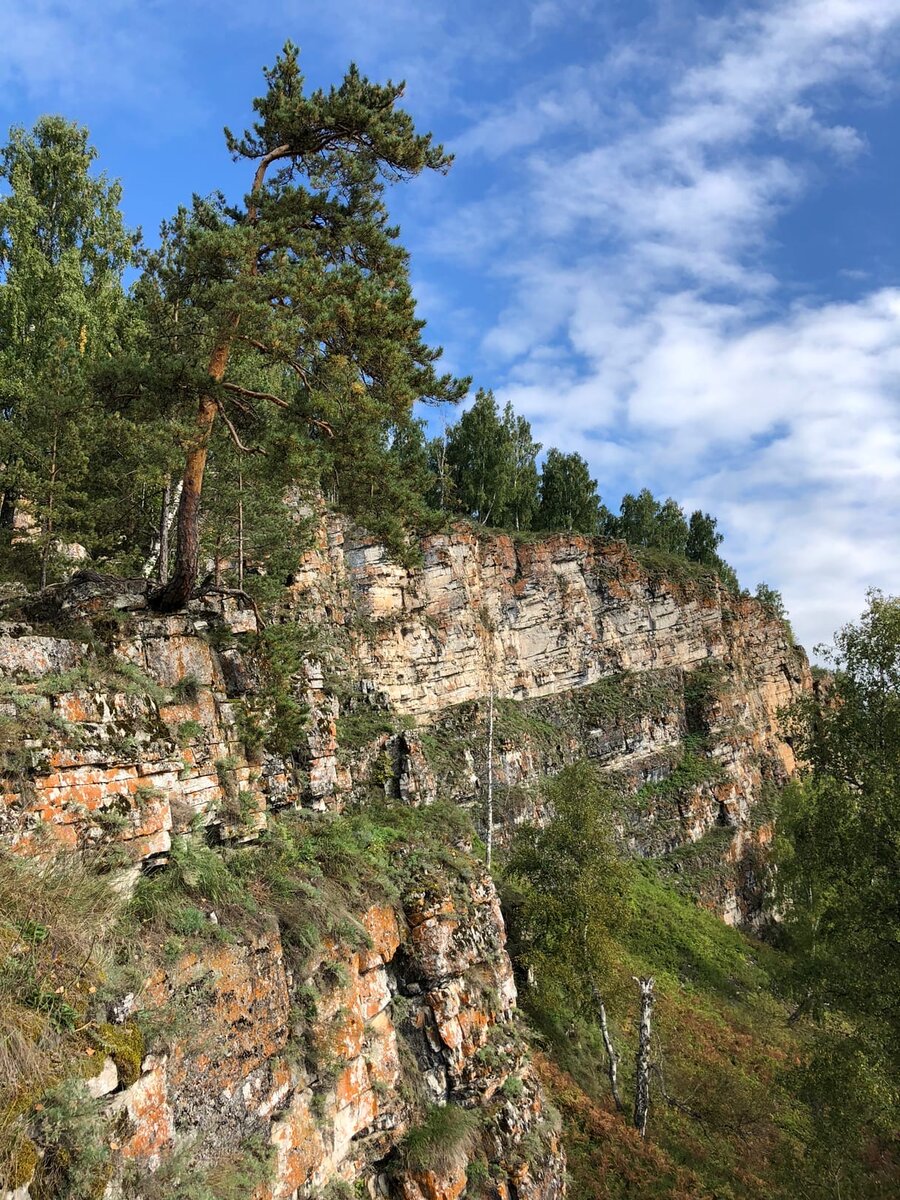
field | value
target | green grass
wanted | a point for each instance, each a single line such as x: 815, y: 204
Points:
x: 694, y: 768
x: 443, y: 1142
x: 734, y: 1125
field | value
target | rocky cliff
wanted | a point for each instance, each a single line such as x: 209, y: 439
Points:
x: 653, y: 670
x: 327, y: 1030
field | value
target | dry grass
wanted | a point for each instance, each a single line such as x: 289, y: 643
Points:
x: 56, y: 921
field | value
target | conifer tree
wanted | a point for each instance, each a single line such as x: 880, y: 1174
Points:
x: 300, y: 297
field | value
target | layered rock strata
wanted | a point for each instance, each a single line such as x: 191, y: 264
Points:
x: 123, y: 730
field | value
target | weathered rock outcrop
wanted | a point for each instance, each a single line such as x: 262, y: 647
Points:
x: 647, y: 671
x: 123, y: 730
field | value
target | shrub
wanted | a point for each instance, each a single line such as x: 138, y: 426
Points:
x: 186, y: 690
x: 69, y: 1128
x: 444, y: 1141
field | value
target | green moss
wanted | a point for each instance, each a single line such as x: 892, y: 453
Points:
x: 124, y: 1044
x: 19, y: 1163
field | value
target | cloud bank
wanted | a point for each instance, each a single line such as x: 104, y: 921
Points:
x: 646, y: 323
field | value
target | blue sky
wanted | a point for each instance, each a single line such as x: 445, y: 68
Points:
x: 670, y: 235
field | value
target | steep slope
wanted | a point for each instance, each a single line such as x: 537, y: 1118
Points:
x: 340, y: 1001
x: 653, y: 670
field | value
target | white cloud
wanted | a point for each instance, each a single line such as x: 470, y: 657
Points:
x: 647, y: 327
x: 108, y: 52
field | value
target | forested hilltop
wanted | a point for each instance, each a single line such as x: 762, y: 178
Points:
x: 382, y: 814
x: 260, y: 347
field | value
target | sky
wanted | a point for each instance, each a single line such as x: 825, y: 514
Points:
x: 669, y: 237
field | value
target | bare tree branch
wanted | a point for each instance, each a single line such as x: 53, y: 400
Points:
x: 234, y: 433
x: 252, y: 395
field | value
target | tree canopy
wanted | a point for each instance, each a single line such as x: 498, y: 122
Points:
x: 267, y: 349
x: 569, y: 498
x: 838, y: 866
x: 300, y: 298
x: 63, y: 250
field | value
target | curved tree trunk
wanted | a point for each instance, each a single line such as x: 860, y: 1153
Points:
x: 176, y: 593
x: 612, y: 1057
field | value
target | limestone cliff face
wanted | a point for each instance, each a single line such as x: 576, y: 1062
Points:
x: 588, y: 653
x: 533, y: 618
x: 124, y: 730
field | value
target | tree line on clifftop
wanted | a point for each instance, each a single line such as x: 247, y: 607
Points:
x: 261, y: 348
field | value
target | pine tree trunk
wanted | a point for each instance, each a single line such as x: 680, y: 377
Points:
x: 176, y: 593
x: 642, y: 1059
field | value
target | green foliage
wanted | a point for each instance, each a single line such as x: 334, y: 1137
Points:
x: 275, y: 717
x: 313, y: 871
x: 235, y: 1176
x: 838, y: 864
x: 645, y: 521
x: 703, y: 539
x: 491, y: 463
x: 443, y: 1142
x: 693, y: 769
x: 329, y: 359
x: 70, y: 1130
x: 569, y: 497
x: 565, y: 891
x: 359, y: 728
x: 63, y: 249
x: 772, y: 600
x: 669, y: 568
x: 668, y: 541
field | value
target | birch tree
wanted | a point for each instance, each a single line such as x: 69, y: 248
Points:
x: 63, y: 250
x: 642, y: 1057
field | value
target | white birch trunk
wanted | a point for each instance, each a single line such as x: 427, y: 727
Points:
x: 612, y: 1058
x: 158, y: 558
x: 642, y: 1059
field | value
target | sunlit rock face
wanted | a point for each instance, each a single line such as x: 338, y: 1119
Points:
x: 588, y: 654
x: 125, y: 730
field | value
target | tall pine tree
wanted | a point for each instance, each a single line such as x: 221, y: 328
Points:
x: 304, y: 290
